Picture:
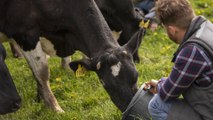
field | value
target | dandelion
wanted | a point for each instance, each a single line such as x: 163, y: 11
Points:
x: 58, y: 79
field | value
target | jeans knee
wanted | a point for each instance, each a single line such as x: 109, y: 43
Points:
x: 158, y: 109
x: 153, y: 106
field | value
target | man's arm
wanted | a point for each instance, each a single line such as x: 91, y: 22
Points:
x: 188, y: 66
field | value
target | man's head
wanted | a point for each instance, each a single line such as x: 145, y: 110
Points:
x: 176, y: 16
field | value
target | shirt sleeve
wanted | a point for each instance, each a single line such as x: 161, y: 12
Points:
x: 188, y: 66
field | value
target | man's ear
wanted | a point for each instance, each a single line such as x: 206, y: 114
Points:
x: 172, y: 29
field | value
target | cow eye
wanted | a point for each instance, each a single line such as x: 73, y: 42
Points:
x: 125, y: 54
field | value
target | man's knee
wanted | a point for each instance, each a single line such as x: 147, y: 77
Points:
x: 154, y: 105
x: 158, y: 109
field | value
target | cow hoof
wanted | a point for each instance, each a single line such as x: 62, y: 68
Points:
x: 38, y: 98
x: 65, y: 67
x: 65, y: 63
x: 59, y: 110
x: 17, y: 55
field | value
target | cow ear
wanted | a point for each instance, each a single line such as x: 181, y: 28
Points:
x: 134, y: 41
x: 84, y: 63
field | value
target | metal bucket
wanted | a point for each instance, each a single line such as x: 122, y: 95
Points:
x: 138, y: 107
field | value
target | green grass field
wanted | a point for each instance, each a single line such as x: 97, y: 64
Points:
x: 84, y: 98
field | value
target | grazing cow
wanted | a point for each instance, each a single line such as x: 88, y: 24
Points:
x: 120, y: 18
x: 72, y: 25
x: 9, y: 98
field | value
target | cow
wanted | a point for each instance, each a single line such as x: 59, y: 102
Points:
x: 9, y: 98
x: 72, y: 25
x: 122, y: 18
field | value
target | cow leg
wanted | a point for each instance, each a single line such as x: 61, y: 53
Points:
x: 65, y: 62
x: 15, y: 49
x: 136, y: 57
x: 38, y: 63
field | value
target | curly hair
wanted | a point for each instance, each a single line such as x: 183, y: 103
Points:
x: 175, y: 12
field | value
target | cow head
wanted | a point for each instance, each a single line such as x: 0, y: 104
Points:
x: 9, y: 98
x: 116, y: 71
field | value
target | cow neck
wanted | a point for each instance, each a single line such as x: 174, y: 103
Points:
x: 94, y: 50
x: 96, y: 42
x: 93, y: 30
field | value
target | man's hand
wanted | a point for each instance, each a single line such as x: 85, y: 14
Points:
x: 152, y: 86
x: 153, y: 26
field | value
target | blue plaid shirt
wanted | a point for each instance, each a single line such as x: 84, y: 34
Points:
x: 191, y: 66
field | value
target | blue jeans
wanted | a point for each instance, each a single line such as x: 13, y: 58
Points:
x: 146, y: 5
x: 159, y: 109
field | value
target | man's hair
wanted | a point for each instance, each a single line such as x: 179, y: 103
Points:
x: 175, y: 12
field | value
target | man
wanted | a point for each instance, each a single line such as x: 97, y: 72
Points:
x: 192, y: 73
x: 145, y: 5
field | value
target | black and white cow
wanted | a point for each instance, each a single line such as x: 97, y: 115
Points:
x: 9, y: 98
x: 73, y: 25
x: 121, y: 16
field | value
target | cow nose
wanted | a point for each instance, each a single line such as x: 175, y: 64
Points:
x: 134, y: 89
x: 16, y: 105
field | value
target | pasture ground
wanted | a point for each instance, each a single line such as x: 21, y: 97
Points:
x: 84, y: 98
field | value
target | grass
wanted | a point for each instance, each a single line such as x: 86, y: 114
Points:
x: 84, y: 98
